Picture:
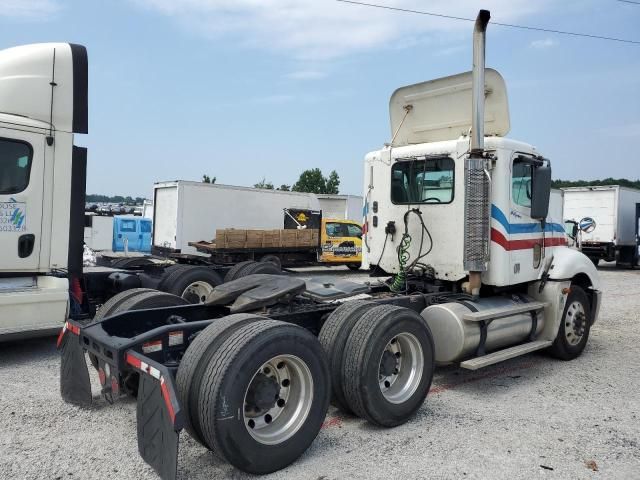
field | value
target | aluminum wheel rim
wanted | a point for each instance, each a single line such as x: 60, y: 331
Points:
x: 403, y: 382
x: 197, y: 290
x: 575, y: 323
x: 292, y: 403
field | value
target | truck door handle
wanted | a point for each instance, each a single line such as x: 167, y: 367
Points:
x: 25, y: 245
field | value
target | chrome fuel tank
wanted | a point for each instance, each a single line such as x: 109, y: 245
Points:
x: 456, y: 339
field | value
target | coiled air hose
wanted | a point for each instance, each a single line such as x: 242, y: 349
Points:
x: 399, y: 283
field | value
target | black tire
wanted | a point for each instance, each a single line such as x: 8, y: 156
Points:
x: 365, y: 347
x: 272, y: 259
x: 167, y: 273
x: 333, y: 338
x: 259, y: 267
x: 354, y: 266
x: 110, y: 307
x: 561, y: 347
x: 131, y: 262
x: 227, y: 379
x: 153, y: 299
x: 179, y: 279
x: 194, y: 363
x: 233, y: 271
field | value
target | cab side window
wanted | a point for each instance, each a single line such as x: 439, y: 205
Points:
x: 354, y: 231
x: 15, y: 166
x: 334, y: 229
x: 521, y: 174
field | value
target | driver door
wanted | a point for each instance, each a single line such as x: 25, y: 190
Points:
x: 525, y: 233
x: 22, y: 166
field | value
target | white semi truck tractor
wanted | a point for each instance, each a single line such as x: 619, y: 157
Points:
x: 477, y: 273
x: 451, y: 199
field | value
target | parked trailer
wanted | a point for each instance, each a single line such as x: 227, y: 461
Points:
x: 611, y: 212
x: 342, y: 207
x: 192, y: 211
x: 246, y: 376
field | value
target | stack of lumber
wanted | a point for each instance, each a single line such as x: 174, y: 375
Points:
x: 231, y: 238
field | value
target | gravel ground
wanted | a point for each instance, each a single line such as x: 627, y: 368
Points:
x: 530, y: 417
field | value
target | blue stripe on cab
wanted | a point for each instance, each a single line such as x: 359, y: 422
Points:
x: 500, y: 217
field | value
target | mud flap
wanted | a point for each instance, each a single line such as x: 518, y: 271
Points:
x: 75, y: 385
x: 157, y: 438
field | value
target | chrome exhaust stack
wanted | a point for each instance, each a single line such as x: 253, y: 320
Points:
x: 479, y: 35
x: 477, y: 181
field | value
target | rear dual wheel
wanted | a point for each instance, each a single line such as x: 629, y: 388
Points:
x: 386, y: 364
x: 192, y: 283
x: 250, y: 267
x: 262, y: 390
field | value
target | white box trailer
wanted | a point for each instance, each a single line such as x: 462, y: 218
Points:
x: 341, y: 207
x: 614, y: 211
x: 98, y: 231
x: 186, y: 211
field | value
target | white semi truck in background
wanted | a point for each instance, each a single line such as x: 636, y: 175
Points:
x: 43, y: 104
x: 605, y: 222
x: 455, y: 213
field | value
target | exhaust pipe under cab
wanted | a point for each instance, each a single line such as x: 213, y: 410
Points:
x: 477, y: 181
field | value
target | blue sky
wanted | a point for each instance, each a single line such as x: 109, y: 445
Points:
x: 246, y: 89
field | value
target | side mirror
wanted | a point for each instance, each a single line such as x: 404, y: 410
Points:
x: 541, y: 190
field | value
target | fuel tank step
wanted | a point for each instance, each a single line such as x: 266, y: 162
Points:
x: 506, y: 354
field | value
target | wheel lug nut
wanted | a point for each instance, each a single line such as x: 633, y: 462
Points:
x: 267, y: 370
x: 395, y: 371
x: 280, y: 365
x: 398, y: 354
x: 251, y: 423
x: 387, y: 384
x: 267, y: 418
x: 281, y: 403
x: 286, y: 382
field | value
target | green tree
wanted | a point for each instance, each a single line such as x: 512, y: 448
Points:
x: 624, y: 182
x: 207, y: 179
x: 284, y: 188
x: 312, y: 181
x: 264, y: 184
x: 332, y: 183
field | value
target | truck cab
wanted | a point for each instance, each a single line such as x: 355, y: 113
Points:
x: 341, y: 242
x: 43, y: 100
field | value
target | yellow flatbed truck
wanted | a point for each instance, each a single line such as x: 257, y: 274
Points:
x: 303, y: 242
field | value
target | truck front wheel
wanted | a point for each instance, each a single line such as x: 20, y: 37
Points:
x: 264, y: 396
x: 575, y: 326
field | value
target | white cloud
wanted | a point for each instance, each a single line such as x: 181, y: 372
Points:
x: 545, y: 43
x: 326, y: 29
x: 28, y: 9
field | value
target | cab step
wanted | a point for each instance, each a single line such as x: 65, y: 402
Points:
x: 495, y: 313
x: 506, y: 354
